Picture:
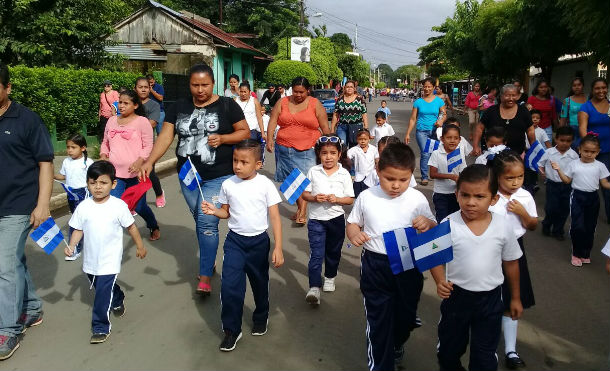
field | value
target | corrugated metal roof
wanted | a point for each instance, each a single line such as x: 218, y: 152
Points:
x: 135, y: 52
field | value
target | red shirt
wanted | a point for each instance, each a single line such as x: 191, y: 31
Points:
x: 298, y: 130
x: 546, y: 108
x: 472, y: 100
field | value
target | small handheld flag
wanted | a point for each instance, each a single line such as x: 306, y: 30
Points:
x: 48, y: 236
x: 533, y: 155
x: 431, y: 248
x: 431, y: 145
x: 398, y: 251
x: 189, y: 175
x: 454, y: 159
x: 72, y: 196
x: 294, y: 186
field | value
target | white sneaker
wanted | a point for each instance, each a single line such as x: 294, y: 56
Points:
x: 313, y: 296
x: 75, y: 255
x: 329, y: 284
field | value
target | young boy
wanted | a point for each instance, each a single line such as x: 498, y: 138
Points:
x: 363, y: 158
x: 382, y: 129
x: 541, y: 135
x: 494, y: 138
x: 390, y: 300
x: 557, y: 207
x: 248, y: 200
x: 385, y: 109
x: 101, y: 219
x: 464, y: 145
x: 472, y: 290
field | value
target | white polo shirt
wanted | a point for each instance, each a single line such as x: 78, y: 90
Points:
x: 339, y: 184
x: 364, y: 162
x: 102, y: 225
x: 541, y: 136
x: 526, y: 199
x: 249, y: 202
x: 438, y: 159
x: 553, y: 155
x: 75, y: 171
x: 477, y: 260
x: 376, y: 213
x: 384, y: 130
x: 586, y: 176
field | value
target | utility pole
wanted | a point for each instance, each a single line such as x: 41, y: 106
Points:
x: 356, y: 40
x: 220, y: 13
x: 302, y: 23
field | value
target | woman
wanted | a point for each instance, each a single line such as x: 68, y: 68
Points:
x: 487, y: 100
x: 522, y: 95
x: 444, y: 97
x: 107, y: 108
x: 301, y: 118
x: 428, y: 112
x: 472, y: 105
x: 542, y: 100
x: 252, y: 111
x: 350, y: 115
x: 208, y: 126
x: 232, y: 91
x: 594, y: 116
x: 571, y: 105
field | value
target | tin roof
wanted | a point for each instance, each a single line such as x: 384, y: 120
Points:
x: 136, y: 52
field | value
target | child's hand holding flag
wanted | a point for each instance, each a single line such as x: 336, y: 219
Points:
x: 208, y: 208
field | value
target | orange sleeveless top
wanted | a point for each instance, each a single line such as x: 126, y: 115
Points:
x: 298, y: 130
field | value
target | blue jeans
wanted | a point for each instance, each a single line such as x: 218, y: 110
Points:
x: 288, y: 158
x: 160, y: 123
x: 72, y: 204
x: 343, y: 133
x: 421, y: 136
x: 142, y: 207
x: 549, y: 133
x: 17, y: 291
x: 206, y: 226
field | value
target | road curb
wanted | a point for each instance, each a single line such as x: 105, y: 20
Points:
x: 59, y: 201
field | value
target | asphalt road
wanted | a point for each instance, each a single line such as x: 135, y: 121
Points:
x: 168, y: 327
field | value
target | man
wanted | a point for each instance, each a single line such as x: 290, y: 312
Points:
x: 156, y: 94
x: 26, y: 165
x: 271, y: 95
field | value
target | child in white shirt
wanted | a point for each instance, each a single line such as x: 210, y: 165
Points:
x: 382, y: 129
x: 494, y: 139
x: 541, y: 135
x: 363, y: 158
x: 373, y: 179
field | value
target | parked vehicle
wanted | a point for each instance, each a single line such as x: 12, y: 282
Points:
x: 328, y: 98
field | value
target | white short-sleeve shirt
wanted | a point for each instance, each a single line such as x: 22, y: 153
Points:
x: 541, y: 136
x: 477, y: 260
x: 438, y: 159
x: 364, y: 162
x: 373, y: 179
x: 376, y: 213
x: 384, y: 130
x: 526, y: 199
x: 586, y: 176
x: 553, y: 155
x: 75, y: 171
x: 339, y: 184
x: 102, y: 226
x: 249, y: 202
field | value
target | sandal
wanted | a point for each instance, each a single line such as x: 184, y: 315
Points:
x: 155, y: 234
x: 301, y: 221
x: 424, y: 182
x: 204, y: 289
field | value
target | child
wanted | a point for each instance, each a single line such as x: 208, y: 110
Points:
x: 74, y: 172
x: 540, y: 133
x: 557, y: 207
x: 472, y: 290
x: 248, y: 200
x: 101, y: 220
x: 520, y: 209
x: 330, y: 188
x: 585, y: 175
x: 363, y: 157
x: 444, y: 199
x: 373, y: 179
x: 494, y: 138
x: 384, y: 108
x: 382, y: 129
x: 390, y: 301
x: 464, y: 145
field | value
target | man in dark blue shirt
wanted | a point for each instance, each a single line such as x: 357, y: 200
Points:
x: 156, y: 93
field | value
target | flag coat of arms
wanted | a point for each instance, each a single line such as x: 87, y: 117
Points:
x: 454, y: 159
x: 533, y: 155
x: 48, y: 235
x: 397, y: 248
x: 431, y: 145
x: 189, y: 175
x: 431, y: 248
x: 294, y: 186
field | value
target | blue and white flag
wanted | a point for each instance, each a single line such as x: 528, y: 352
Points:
x: 431, y: 145
x: 48, y: 235
x: 533, y: 155
x: 397, y: 248
x: 454, y: 159
x: 189, y: 175
x: 431, y: 248
x: 72, y: 196
x: 294, y: 186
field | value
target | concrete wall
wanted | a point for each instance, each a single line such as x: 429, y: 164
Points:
x: 562, y: 76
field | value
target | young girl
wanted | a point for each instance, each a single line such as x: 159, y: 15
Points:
x: 585, y: 175
x: 74, y: 172
x: 363, y: 158
x: 519, y: 207
x: 127, y: 144
x: 330, y: 189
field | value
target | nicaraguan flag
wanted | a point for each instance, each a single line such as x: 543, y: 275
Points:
x: 432, y: 247
x: 398, y: 251
x: 533, y: 155
x: 189, y: 175
x: 431, y: 145
x: 72, y: 196
x: 294, y: 185
x: 454, y: 159
x: 48, y: 235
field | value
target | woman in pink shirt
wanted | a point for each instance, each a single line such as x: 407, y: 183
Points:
x: 128, y: 141
x: 107, y: 109
x: 472, y: 104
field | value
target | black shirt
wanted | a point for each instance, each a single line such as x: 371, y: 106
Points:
x: 273, y: 97
x: 193, y: 126
x: 522, y: 99
x: 24, y: 142
x: 516, y: 128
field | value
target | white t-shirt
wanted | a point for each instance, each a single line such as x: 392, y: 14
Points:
x: 553, y: 155
x: 102, y: 225
x: 477, y: 260
x: 266, y: 122
x: 541, y: 136
x: 376, y: 213
x: 249, y: 202
x: 364, y: 162
x: 526, y: 199
x: 339, y: 184
x: 438, y: 159
x: 586, y: 176
x: 75, y: 171
x: 373, y: 179
x: 384, y: 130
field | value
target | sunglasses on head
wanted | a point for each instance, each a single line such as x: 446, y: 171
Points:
x: 332, y: 139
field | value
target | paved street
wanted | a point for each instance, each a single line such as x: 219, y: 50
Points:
x: 167, y: 327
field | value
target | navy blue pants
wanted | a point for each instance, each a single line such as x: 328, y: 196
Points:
x: 108, y: 295
x: 390, y: 305
x: 444, y: 204
x: 244, y: 256
x: 359, y: 187
x: 605, y: 159
x: 557, y: 207
x: 584, y: 211
x: 72, y: 204
x: 530, y: 180
x: 470, y: 316
x: 325, y: 242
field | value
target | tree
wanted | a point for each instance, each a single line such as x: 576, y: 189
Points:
x: 355, y: 68
x: 342, y: 43
x: 408, y: 73
x: 320, y: 31
x: 283, y: 72
x: 388, y: 74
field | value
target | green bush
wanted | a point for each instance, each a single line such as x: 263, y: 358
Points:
x: 65, y: 99
x: 380, y: 85
x: 283, y: 72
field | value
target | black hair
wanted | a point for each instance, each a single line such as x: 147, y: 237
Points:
x: 234, y: 76
x: 80, y: 141
x: 595, y: 81
x: 452, y: 120
x: 490, y: 88
x: 343, y: 160
x: 141, y: 78
x: 477, y: 173
x: 133, y: 96
x: 502, y: 159
x: 448, y: 127
x: 380, y: 114
x: 430, y: 80
x: 203, y: 68
x: 362, y: 131
x: 251, y: 145
x: 100, y: 168
x: 150, y: 76
x: 564, y: 131
x: 387, y: 140
x: 398, y: 155
x: 245, y: 84
x: 301, y: 81
x: 576, y: 78
x: 590, y: 138
x: 383, y: 101
x: 496, y: 132
x: 122, y: 89
x: 535, y: 111
x: 535, y: 91
x: 4, y: 75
